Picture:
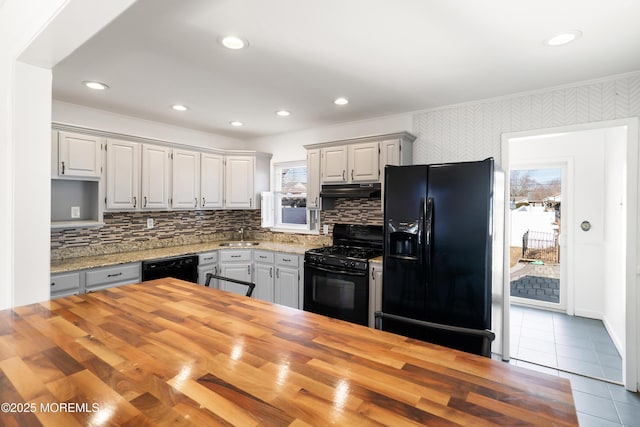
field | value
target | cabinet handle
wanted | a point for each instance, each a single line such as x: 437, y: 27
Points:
x: 351, y: 174
x: 207, y: 259
x: 343, y: 177
x: 53, y: 284
x: 114, y: 274
x: 62, y: 168
x: 235, y: 256
x: 286, y: 259
x: 250, y: 202
x: 316, y: 201
x: 195, y: 204
x: 203, y: 202
x: 277, y: 273
x: 145, y: 201
x: 270, y: 272
x: 135, y: 201
x: 249, y: 270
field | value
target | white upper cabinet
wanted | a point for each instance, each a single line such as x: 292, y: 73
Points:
x: 211, y: 180
x: 123, y: 175
x: 313, y: 178
x: 186, y: 179
x: 239, y: 182
x: 363, y: 162
x: 334, y: 164
x: 155, y: 176
x: 79, y: 155
x: 359, y: 160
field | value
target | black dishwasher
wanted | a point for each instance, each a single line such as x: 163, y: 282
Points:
x: 181, y: 267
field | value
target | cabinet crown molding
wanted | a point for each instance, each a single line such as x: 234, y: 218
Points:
x: 397, y: 135
x: 114, y: 135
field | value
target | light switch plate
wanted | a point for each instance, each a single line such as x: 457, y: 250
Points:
x: 75, y: 212
x: 149, y: 222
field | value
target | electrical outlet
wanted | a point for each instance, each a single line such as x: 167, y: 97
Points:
x: 325, y: 229
x: 149, y: 222
x: 75, y: 212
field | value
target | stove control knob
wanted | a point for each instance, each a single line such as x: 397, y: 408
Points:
x: 353, y: 263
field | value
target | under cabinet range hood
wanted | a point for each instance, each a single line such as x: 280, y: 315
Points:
x: 351, y: 191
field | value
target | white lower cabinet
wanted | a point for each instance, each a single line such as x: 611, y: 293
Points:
x: 208, y: 263
x: 287, y: 280
x: 107, y: 277
x: 95, y: 279
x: 375, y: 291
x: 263, y: 275
x: 235, y: 264
x: 65, y: 284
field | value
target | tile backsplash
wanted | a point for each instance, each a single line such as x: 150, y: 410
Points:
x: 127, y: 231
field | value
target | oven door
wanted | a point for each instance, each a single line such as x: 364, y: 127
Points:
x: 342, y: 294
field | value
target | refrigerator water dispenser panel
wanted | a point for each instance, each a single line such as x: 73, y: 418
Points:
x: 404, y: 238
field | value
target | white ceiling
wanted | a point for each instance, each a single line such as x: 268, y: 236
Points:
x: 386, y: 56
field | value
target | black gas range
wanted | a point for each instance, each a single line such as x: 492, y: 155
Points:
x: 336, y: 277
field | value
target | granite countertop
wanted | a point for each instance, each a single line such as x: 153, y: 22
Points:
x: 80, y: 263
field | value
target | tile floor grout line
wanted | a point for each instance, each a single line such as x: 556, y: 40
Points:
x: 606, y: 380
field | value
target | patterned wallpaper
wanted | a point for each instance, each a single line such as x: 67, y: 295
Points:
x: 473, y: 131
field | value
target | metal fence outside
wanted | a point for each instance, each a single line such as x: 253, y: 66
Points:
x: 539, y: 246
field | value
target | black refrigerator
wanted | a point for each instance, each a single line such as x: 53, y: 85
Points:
x: 438, y: 253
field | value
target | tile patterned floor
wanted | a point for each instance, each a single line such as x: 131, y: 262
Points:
x: 579, y: 345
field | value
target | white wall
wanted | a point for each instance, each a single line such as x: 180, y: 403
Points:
x: 77, y: 115
x: 33, y: 32
x: 615, y: 235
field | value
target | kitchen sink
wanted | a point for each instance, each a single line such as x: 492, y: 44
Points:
x: 239, y: 244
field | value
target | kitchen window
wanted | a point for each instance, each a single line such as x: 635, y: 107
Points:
x: 288, y: 208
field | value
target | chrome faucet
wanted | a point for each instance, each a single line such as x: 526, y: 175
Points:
x: 241, y: 231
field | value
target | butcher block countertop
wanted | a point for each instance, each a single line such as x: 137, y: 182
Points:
x: 170, y: 352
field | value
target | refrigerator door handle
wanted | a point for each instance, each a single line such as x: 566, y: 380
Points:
x: 428, y: 238
x: 421, y: 224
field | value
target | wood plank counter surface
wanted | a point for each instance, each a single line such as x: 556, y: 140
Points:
x: 168, y: 352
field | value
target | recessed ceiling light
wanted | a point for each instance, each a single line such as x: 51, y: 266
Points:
x: 341, y: 101
x: 236, y: 123
x: 180, y: 107
x: 234, y: 42
x: 283, y: 113
x: 563, y: 38
x: 95, y: 85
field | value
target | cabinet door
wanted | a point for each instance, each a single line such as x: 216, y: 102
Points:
x: 123, y: 174
x: 239, y: 271
x: 334, y: 164
x: 239, y: 182
x: 375, y: 291
x: 185, y: 181
x: 364, y: 162
x: 211, y: 180
x: 155, y: 177
x: 202, y: 275
x: 390, y: 153
x: 79, y: 155
x: 264, y: 280
x: 286, y: 286
x: 65, y: 284
x: 313, y: 178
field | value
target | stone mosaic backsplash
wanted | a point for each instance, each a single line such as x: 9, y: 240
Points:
x: 126, y: 231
